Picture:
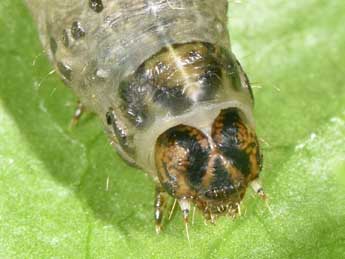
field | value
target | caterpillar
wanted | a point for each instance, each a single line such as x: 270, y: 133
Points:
x: 172, y: 97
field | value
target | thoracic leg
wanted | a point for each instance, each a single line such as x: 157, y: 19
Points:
x: 77, y: 114
x: 160, y: 204
x: 257, y: 187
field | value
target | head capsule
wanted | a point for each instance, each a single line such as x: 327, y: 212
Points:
x: 211, y: 170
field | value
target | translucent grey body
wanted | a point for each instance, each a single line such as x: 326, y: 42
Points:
x: 114, y: 42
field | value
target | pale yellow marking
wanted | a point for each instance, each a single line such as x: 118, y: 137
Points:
x: 179, y: 65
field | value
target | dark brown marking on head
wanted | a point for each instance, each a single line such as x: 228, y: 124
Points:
x: 96, y: 5
x: 65, y: 38
x: 53, y: 45
x: 77, y: 30
x: 188, y: 167
x: 181, y: 159
x: 65, y: 70
x: 214, y: 177
x: 218, y: 184
x: 223, y: 186
x: 237, y: 142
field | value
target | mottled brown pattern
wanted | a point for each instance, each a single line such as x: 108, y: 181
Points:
x: 230, y: 164
x: 255, y: 157
x: 173, y: 160
x: 217, y: 129
x: 244, y: 139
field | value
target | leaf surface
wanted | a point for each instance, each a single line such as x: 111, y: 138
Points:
x: 66, y: 194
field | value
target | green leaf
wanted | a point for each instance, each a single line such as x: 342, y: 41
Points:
x: 66, y: 194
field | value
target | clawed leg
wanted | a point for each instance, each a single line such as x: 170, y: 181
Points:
x: 77, y: 114
x: 160, y: 203
x: 257, y: 187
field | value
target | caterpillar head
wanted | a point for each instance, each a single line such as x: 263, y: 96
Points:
x: 210, y: 170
